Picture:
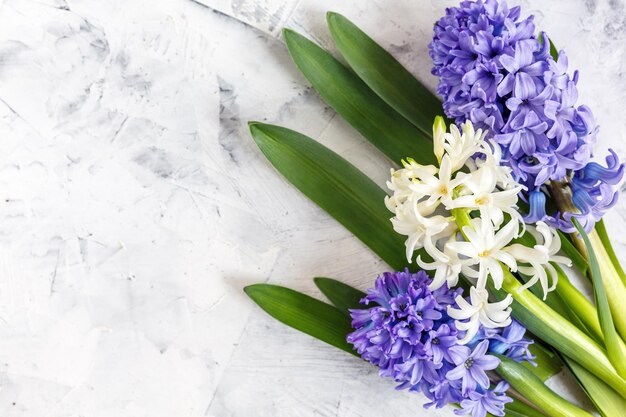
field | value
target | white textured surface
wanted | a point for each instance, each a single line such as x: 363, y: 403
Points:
x: 134, y: 207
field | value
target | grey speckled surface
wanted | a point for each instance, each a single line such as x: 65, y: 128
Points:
x: 134, y: 207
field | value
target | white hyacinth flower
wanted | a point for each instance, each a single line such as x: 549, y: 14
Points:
x: 438, y: 187
x: 485, y: 248
x: 480, y: 311
x: 419, y: 229
x: 535, y: 261
x: 447, y: 267
x: 459, y: 145
x: 482, y: 194
x: 429, y: 202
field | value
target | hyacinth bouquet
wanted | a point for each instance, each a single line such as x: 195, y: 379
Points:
x: 492, y: 200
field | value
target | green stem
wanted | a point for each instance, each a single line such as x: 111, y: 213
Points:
x: 579, y: 305
x: 615, y: 289
x: 559, y: 332
x: 531, y: 387
x: 520, y: 409
x: 606, y: 400
x: 606, y: 242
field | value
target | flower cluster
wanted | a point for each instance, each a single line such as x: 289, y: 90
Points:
x: 429, y: 204
x: 407, y: 333
x: 494, y: 71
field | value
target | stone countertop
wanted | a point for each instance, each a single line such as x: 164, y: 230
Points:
x: 134, y: 207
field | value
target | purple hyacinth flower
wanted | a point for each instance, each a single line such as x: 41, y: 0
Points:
x: 425, y: 313
x: 544, y: 134
x: 484, y: 79
x: 594, y: 173
x: 527, y: 135
x: 405, y: 331
x: 511, y: 343
x: 490, y: 401
x: 409, y: 330
x: 522, y: 71
x: 416, y: 368
x: 443, y: 391
x: 471, y: 366
x: 439, y: 343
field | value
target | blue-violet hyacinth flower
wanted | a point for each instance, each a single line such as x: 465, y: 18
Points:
x: 404, y: 329
x: 495, y: 71
x: 489, y: 401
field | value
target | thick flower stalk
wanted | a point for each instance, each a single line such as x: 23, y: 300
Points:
x: 464, y: 215
x: 494, y: 71
x: 406, y: 331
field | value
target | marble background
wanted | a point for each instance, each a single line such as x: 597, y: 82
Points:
x: 134, y: 207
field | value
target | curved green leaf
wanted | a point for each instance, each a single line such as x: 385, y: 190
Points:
x: 303, y: 313
x: 606, y: 241
x: 615, y: 348
x: 341, y: 295
x: 384, y: 74
x: 385, y: 128
x: 607, y: 401
x: 335, y: 185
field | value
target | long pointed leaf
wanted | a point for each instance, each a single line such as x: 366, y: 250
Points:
x: 615, y: 349
x: 389, y: 131
x: 607, y: 401
x: 604, y: 237
x: 341, y: 295
x: 384, y: 74
x: 335, y: 185
x: 303, y: 313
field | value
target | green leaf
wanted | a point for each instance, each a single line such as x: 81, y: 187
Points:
x: 607, y: 401
x: 604, y: 237
x: 341, y: 295
x: 389, y: 131
x: 615, y: 349
x: 554, y: 53
x: 384, y: 74
x: 577, y: 305
x: 336, y: 186
x: 533, y: 389
x: 303, y: 313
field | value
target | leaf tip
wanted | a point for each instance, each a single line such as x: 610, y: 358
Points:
x: 252, y: 290
x: 330, y: 16
x: 289, y: 34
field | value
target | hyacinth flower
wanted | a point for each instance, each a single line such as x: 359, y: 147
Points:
x: 495, y: 71
x: 431, y: 359
x: 434, y: 207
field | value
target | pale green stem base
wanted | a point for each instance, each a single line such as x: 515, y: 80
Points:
x: 615, y: 289
x: 560, y: 333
